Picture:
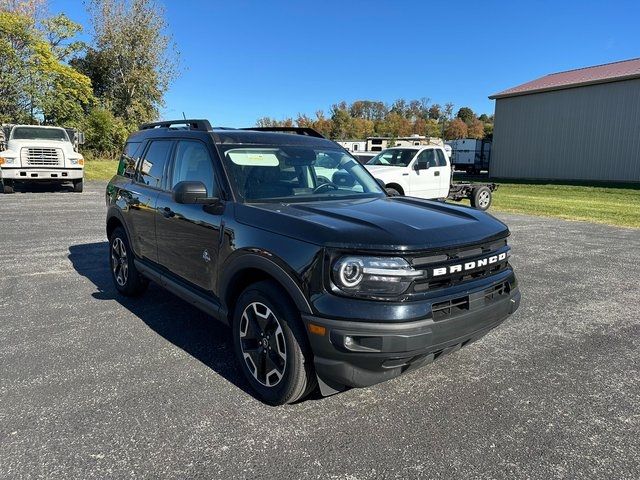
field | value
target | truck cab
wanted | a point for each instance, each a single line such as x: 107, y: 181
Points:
x: 33, y: 153
x: 422, y: 171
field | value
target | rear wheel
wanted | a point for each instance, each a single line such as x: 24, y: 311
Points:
x: 78, y: 186
x: 126, y: 277
x: 394, y: 192
x: 271, y: 345
x: 481, y: 198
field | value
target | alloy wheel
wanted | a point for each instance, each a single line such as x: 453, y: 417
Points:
x: 119, y: 264
x: 263, y: 344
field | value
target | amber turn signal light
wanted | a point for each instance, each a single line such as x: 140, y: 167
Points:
x: 317, y: 329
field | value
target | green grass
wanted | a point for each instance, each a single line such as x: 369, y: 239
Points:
x: 100, y: 169
x: 612, y: 205
x: 617, y: 204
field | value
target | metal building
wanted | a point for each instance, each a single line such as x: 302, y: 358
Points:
x: 580, y: 124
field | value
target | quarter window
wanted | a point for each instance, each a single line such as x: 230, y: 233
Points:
x: 127, y: 166
x: 193, y: 163
x: 151, y: 167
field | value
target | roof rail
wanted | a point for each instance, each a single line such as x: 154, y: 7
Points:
x: 310, y: 132
x: 193, y: 124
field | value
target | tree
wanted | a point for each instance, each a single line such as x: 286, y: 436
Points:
x: 35, y: 85
x: 466, y: 115
x: 132, y: 61
x: 475, y: 129
x: 435, y: 112
x: 456, y: 129
x: 60, y: 32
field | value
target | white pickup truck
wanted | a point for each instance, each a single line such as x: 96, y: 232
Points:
x: 424, y: 171
x: 32, y: 153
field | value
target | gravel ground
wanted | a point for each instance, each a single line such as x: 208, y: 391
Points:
x: 93, y: 385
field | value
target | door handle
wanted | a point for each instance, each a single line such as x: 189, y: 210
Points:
x: 436, y: 173
x: 167, y: 212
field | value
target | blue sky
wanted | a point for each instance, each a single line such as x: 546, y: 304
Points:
x: 244, y: 59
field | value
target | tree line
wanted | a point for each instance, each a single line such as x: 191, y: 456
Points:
x: 105, y: 87
x: 365, y: 118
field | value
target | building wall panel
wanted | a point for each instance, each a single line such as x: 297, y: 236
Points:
x: 585, y: 133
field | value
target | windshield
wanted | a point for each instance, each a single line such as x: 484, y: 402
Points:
x: 394, y: 157
x: 296, y: 174
x: 37, y: 133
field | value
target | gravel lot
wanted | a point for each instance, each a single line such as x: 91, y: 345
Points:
x: 93, y: 385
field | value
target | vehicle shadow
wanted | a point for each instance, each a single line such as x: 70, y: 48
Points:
x: 186, y: 327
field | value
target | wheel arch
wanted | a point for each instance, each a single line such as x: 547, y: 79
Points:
x: 396, y: 186
x: 251, y: 268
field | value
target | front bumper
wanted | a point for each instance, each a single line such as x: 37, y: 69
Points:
x: 379, y: 351
x: 34, y: 174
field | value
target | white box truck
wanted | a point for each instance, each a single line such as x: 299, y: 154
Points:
x: 34, y: 153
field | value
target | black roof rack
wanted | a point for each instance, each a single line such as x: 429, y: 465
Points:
x: 310, y: 132
x: 192, y: 124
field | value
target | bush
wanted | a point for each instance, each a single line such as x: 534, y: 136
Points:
x: 104, y: 133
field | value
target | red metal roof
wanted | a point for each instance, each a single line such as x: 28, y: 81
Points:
x: 609, y: 72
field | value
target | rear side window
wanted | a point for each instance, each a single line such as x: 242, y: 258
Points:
x: 152, y: 166
x: 127, y: 165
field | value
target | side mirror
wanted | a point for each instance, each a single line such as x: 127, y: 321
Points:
x: 191, y: 193
x: 420, y: 166
x: 382, y: 184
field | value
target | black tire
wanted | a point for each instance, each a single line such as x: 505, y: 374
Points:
x: 393, y: 192
x: 7, y: 187
x: 274, y: 356
x: 481, y: 198
x: 126, y: 278
x: 78, y: 186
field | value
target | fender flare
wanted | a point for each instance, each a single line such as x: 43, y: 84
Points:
x: 259, y: 262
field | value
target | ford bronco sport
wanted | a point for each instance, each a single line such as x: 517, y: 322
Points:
x: 281, y: 234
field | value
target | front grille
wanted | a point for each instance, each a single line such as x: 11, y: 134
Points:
x: 41, y: 157
x: 473, y: 255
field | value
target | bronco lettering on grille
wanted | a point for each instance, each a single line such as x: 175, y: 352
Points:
x: 464, y: 267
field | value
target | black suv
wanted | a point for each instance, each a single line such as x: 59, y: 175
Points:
x: 282, y: 234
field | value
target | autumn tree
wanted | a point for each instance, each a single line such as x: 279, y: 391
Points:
x: 475, y: 129
x: 456, y: 129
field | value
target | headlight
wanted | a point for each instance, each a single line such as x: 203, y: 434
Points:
x: 386, y: 276
x: 6, y: 160
x: 77, y: 161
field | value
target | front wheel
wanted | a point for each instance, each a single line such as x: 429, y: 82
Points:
x: 7, y: 187
x: 78, y: 186
x: 271, y: 345
x: 481, y: 198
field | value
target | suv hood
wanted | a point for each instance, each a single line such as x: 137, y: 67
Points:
x: 387, y: 223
